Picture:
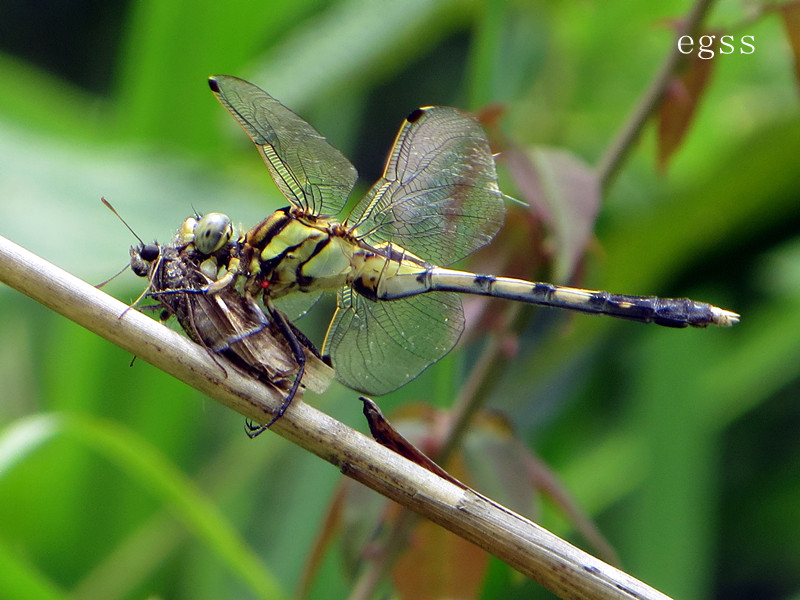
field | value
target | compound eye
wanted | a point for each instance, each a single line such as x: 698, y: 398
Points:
x: 213, y: 231
x: 149, y: 252
x: 143, y: 257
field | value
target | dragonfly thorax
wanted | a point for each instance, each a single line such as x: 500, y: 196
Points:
x: 287, y: 252
x: 290, y: 252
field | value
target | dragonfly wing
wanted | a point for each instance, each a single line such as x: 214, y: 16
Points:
x: 376, y: 347
x: 312, y: 174
x: 438, y: 196
x: 295, y: 306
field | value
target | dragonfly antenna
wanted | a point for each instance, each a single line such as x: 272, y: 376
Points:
x: 124, y: 222
x: 113, y: 277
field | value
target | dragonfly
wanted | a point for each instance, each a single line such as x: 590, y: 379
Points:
x: 398, y: 309
x: 228, y: 324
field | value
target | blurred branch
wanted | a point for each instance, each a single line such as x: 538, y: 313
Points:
x: 535, y: 552
x: 618, y: 150
x: 484, y: 376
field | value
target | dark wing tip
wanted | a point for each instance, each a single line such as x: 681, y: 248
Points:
x: 214, y: 84
x: 415, y: 115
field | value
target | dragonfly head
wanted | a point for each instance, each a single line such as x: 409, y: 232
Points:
x: 212, y: 232
x: 142, y: 258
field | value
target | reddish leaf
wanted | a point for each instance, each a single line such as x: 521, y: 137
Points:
x: 490, y: 116
x: 439, y: 564
x: 436, y: 563
x: 679, y: 104
x: 502, y: 466
x: 791, y: 20
x: 564, y: 192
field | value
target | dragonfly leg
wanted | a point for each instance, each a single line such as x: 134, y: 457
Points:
x: 222, y: 283
x: 295, y: 344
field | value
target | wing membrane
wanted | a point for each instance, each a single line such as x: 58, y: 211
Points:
x: 312, y: 174
x: 438, y: 196
x: 295, y: 306
x: 377, y: 347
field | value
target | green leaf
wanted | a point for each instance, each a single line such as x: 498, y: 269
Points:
x: 21, y: 581
x: 144, y: 463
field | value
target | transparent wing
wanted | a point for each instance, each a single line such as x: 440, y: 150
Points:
x: 438, y: 196
x: 312, y: 174
x: 376, y: 347
x: 296, y: 305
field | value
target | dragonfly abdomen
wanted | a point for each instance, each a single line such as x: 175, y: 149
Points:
x: 670, y: 312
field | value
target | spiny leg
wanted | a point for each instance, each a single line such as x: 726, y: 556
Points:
x: 288, y: 332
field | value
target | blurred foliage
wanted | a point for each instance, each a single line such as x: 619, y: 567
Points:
x: 118, y: 482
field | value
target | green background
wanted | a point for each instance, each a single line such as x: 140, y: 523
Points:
x: 119, y: 482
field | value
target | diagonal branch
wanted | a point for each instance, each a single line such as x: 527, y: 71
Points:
x: 532, y: 550
x: 619, y: 148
